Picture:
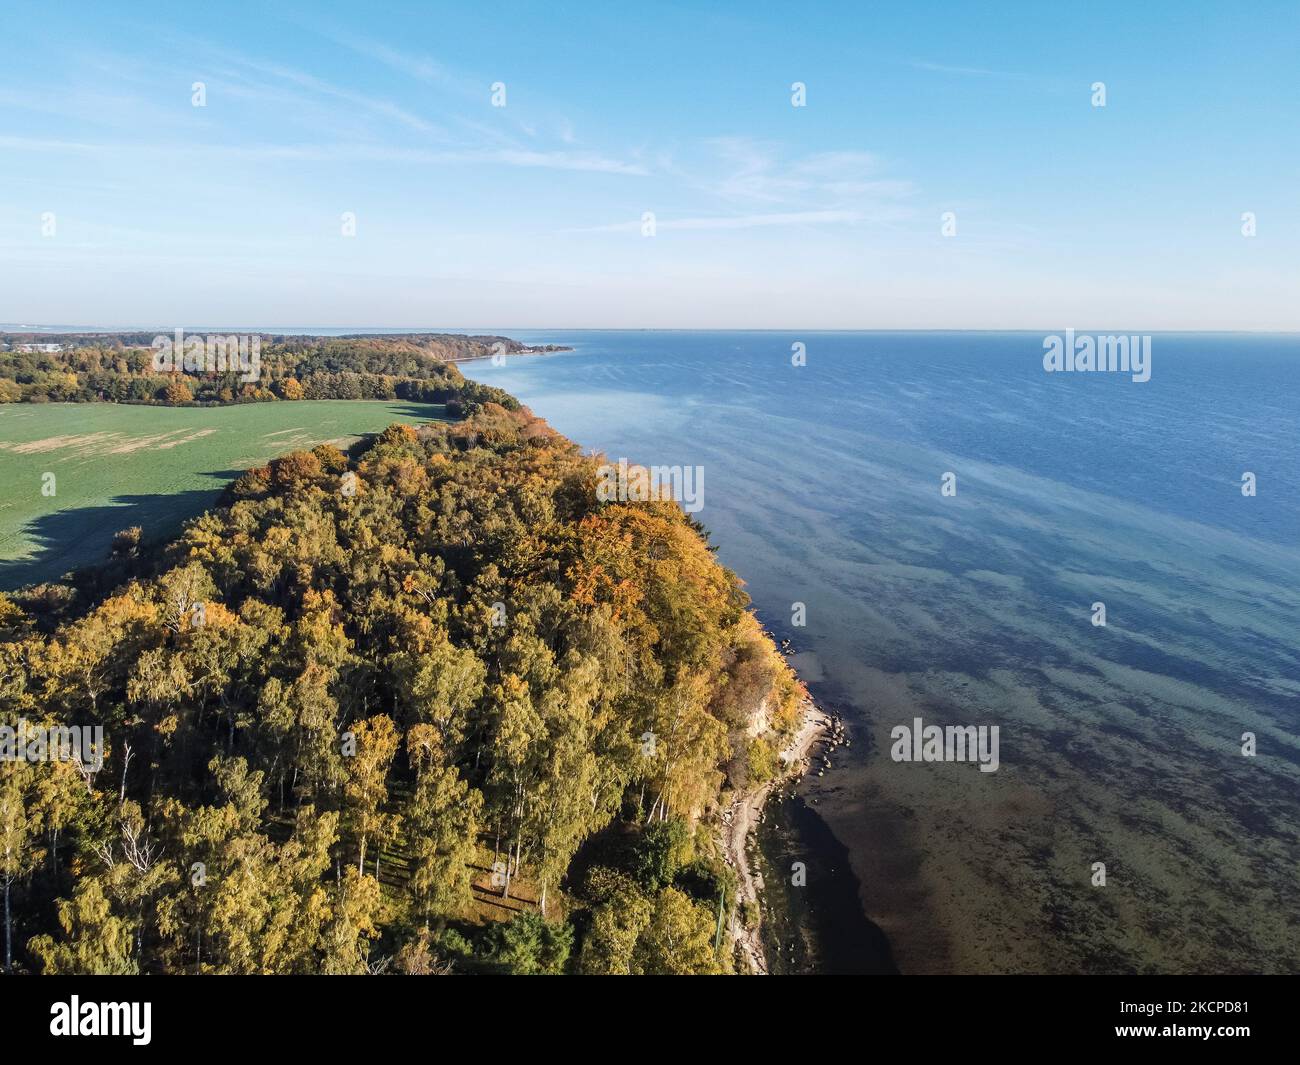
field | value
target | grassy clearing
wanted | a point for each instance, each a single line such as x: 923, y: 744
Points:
x: 116, y: 465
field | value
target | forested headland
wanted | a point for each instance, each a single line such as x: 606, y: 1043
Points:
x: 120, y: 368
x: 427, y: 706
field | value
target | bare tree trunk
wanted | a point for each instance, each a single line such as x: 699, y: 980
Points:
x: 126, y: 761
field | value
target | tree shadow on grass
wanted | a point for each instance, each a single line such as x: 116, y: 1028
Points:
x: 424, y: 412
x: 76, y: 537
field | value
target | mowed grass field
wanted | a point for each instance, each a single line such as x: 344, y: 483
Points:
x: 116, y: 466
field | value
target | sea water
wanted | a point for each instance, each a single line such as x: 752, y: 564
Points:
x: 955, y: 521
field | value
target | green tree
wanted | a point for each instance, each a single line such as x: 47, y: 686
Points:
x: 441, y: 821
x: 677, y: 939
x: 529, y: 945
x: 619, y: 917
x: 661, y: 850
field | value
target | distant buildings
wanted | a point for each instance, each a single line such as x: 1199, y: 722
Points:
x: 44, y: 349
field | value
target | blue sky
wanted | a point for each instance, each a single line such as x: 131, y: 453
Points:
x: 767, y: 215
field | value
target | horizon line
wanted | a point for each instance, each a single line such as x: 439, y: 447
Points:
x: 84, y: 330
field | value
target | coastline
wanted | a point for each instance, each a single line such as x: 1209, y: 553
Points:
x: 540, y: 349
x: 739, y: 822
x: 739, y: 826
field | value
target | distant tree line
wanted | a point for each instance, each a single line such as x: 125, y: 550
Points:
x: 119, y: 368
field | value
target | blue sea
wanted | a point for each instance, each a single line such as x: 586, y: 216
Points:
x: 1129, y: 827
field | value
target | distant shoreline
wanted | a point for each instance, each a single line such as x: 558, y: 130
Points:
x: 543, y: 349
x: 384, y: 331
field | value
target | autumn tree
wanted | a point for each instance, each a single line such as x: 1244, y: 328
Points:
x: 19, y: 834
x: 368, y: 756
x: 97, y: 941
x: 177, y: 394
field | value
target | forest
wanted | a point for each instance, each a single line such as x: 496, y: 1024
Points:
x: 119, y: 368
x: 429, y: 706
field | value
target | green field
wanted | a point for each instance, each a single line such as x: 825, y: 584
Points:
x: 116, y: 466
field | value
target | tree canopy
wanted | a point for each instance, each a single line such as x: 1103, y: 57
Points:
x: 375, y: 704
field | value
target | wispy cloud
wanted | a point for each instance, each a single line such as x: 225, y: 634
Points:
x: 831, y: 188
x: 89, y: 104
x: 553, y: 160
x: 473, y: 139
x: 753, y: 174
x: 51, y: 144
x: 314, y: 84
x: 750, y: 221
x: 420, y: 67
x: 559, y: 161
x: 970, y: 72
x: 823, y: 178
x: 430, y: 71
